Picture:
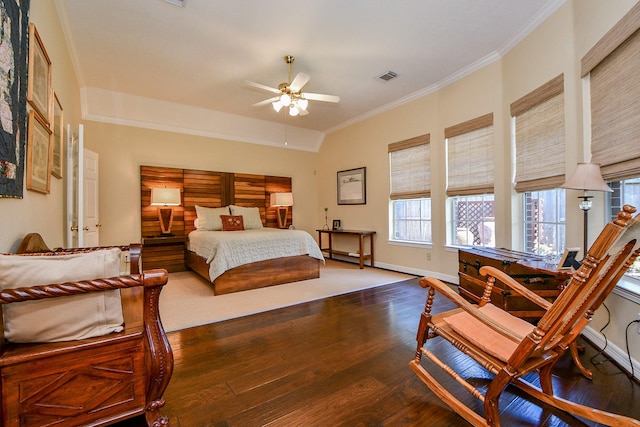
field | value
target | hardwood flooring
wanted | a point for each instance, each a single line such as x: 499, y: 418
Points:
x: 343, y: 361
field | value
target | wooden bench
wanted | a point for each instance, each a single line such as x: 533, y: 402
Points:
x: 92, y: 381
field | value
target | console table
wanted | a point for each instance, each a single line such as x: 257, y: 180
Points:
x: 361, y: 234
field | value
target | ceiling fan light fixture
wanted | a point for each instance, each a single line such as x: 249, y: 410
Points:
x: 302, y: 103
x: 285, y: 100
x: 293, y: 110
x: 277, y: 106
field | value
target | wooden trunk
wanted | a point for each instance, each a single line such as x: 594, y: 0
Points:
x: 528, y: 269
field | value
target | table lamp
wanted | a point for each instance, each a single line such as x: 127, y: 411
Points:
x: 166, y: 198
x: 282, y: 201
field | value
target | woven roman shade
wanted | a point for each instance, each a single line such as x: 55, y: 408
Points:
x: 410, y: 169
x: 614, y: 64
x: 470, y: 157
x: 540, y: 141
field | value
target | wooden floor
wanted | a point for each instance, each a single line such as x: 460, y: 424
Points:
x: 343, y: 361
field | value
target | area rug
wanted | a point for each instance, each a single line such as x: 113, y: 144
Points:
x: 188, y: 300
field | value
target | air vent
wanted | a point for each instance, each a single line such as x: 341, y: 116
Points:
x: 176, y: 2
x: 388, y: 76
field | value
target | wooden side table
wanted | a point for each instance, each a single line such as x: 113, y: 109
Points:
x: 361, y: 234
x: 166, y: 252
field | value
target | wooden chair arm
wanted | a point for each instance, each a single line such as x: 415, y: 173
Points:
x: 151, y: 278
x: 488, y: 270
x: 472, y: 309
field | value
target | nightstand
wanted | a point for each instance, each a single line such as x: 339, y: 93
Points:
x: 166, y: 252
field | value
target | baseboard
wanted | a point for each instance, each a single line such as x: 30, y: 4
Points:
x: 616, y: 354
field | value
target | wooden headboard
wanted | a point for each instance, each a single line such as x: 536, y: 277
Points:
x: 210, y: 189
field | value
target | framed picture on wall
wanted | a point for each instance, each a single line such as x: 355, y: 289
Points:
x: 352, y: 187
x: 568, y: 259
x: 38, y: 154
x: 58, y: 134
x: 39, y: 93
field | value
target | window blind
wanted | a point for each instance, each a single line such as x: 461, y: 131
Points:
x: 539, y: 134
x: 613, y: 65
x: 470, y: 157
x: 410, y: 169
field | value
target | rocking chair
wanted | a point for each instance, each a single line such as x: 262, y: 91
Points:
x: 510, y: 348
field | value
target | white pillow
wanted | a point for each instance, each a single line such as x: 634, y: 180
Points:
x: 209, y: 218
x: 250, y: 216
x: 62, y: 318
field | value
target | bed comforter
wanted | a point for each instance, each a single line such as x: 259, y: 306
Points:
x: 225, y: 250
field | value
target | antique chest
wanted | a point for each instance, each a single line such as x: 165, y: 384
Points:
x: 528, y: 269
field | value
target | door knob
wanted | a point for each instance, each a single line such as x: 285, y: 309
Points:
x: 85, y: 228
x: 98, y: 225
x: 74, y: 228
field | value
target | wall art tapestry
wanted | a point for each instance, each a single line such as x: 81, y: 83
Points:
x: 14, y: 24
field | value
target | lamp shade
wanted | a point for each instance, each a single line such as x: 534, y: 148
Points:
x: 587, y: 177
x: 165, y: 196
x: 281, y: 199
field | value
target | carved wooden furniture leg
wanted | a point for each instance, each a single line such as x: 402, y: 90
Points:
x: 573, y: 348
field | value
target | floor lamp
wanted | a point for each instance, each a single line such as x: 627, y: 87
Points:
x: 586, y: 177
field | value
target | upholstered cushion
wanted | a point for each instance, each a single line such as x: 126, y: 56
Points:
x: 232, y: 222
x: 486, y: 338
x: 250, y: 216
x: 209, y: 218
x: 62, y: 318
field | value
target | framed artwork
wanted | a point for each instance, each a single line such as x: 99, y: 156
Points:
x: 58, y: 134
x: 568, y: 260
x: 38, y: 154
x: 14, y: 19
x: 39, y: 93
x: 336, y: 225
x: 352, y: 187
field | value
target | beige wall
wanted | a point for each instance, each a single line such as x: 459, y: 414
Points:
x: 123, y: 149
x: 38, y: 212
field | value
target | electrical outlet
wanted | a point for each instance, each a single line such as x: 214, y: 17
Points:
x: 429, y: 259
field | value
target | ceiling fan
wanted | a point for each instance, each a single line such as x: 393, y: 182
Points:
x: 290, y: 93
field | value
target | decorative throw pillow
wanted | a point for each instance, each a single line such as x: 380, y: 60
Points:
x: 250, y: 216
x: 63, y: 318
x: 232, y: 223
x: 209, y: 218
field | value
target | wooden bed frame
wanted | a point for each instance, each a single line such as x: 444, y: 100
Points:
x: 216, y: 189
x: 258, y: 274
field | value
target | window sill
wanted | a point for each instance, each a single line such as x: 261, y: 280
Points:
x: 411, y: 244
x: 628, y: 289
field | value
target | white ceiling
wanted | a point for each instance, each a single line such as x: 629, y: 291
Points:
x: 201, y: 54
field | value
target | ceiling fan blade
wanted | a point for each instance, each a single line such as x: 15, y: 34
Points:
x: 321, y: 97
x: 266, y: 101
x: 299, y: 81
x: 263, y: 87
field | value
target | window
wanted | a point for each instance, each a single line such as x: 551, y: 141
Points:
x: 412, y: 220
x: 538, y: 121
x: 625, y: 192
x: 473, y: 220
x: 614, y: 86
x: 544, y: 221
x: 470, y: 182
x: 409, y: 176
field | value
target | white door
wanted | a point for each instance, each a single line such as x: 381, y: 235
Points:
x: 72, y: 189
x: 91, y: 220
x: 75, y: 194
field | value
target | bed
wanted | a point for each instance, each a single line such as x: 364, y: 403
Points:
x: 231, y: 259
x: 217, y: 192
